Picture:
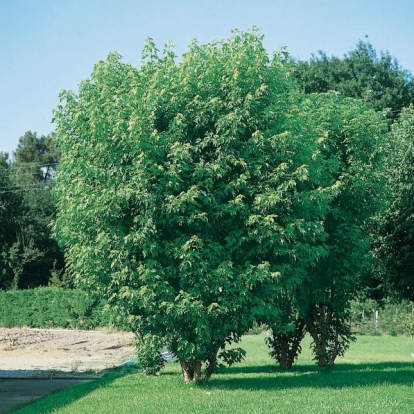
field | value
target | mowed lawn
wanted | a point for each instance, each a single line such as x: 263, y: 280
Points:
x: 375, y: 376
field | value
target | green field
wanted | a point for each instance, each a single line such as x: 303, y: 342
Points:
x: 375, y: 376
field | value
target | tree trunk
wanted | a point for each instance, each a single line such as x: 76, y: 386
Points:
x: 191, y: 371
x: 295, y: 347
x: 286, y: 347
x: 210, y: 367
x: 320, y: 348
x: 283, y: 358
x: 319, y: 327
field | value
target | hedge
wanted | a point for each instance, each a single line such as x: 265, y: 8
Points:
x: 52, y: 308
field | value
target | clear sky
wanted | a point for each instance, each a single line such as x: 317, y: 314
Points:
x: 50, y: 45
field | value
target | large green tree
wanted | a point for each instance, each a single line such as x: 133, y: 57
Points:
x: 353, y: 140
x: 184, y: 189
x: 380, y: 80
x: 350, y: 160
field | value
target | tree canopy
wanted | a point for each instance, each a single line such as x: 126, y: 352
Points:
x: 396, y: 241
x: 350, y: 160
x: 183, y: 186
x: 9, y: 202
x: 354, y: 150
x: 362, y: 74
x: 29, y: 252
x: 202, y: 194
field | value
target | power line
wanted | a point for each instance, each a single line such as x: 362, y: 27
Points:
x: 41, y: 177
x: 11, y: 167
x: 19, y: 191
x: 20, y: 188
x: 10, y: 172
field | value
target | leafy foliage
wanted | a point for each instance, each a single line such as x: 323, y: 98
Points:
x: 29, y: 253
x: 353, y: 149
x: 380, y: 80
x: 148, y: 354
x: 285, y: 339
x: 396, y: 242
x: 317, y: 294
x: 361, y: 73
x: 52, y: 308
x: 369, y: 317
x: 201, y: 196
x: 184, y: 188
x: 9, y: 204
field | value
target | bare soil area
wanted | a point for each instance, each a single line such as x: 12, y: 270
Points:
x: 43, y: 352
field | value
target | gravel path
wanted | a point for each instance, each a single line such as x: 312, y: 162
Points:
x: 37, y: 362
x: 60, y: 353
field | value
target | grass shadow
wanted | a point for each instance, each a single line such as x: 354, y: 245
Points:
x: 67, y: 396
x: 252, y: 369
x: 308, y: 376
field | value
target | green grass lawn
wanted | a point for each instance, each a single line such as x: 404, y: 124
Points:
x: 375, y: 376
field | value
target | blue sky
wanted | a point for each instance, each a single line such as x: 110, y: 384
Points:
x: 50, y: 45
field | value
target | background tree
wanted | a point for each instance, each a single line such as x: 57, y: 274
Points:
x: 10, y: 202
x: 381, y: 81
x: 361, y: 73
x: 352, y: 146
x: 33, y: 253
x: 316, y: 296
x: 302, y: 244
x: 396, y: 241
x: 180, y: 193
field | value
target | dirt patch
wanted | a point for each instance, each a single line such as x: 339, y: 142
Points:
x: 39, y: 352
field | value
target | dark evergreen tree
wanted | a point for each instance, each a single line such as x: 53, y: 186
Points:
x: 33, y: 254
x: 10, y: 202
